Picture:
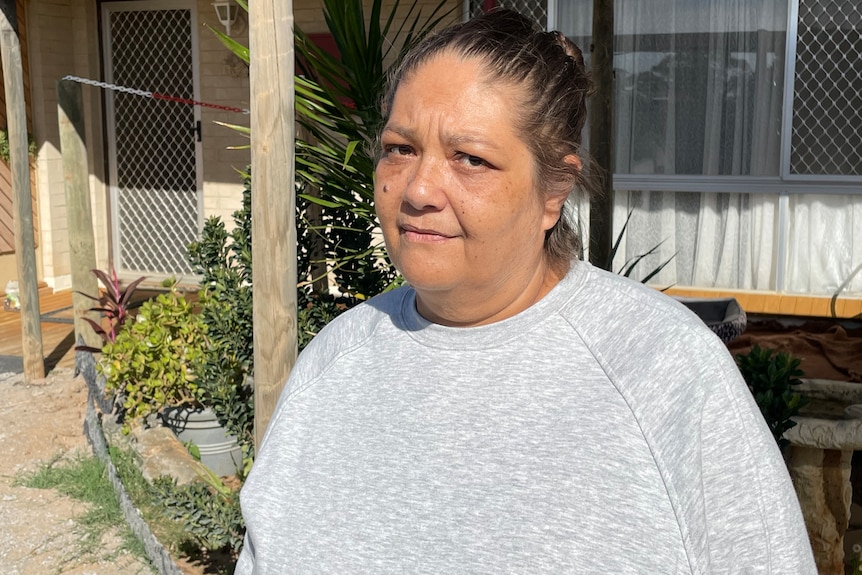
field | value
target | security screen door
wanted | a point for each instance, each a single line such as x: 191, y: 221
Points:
x: 153, y: 145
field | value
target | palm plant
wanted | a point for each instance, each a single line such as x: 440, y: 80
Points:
x: 337, y: 105
x: 335, y: 158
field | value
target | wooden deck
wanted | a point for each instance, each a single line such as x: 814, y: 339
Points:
x: 58, y: 330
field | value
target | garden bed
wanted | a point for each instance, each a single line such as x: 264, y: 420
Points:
x: 185, y: 561
x: 829, y: 350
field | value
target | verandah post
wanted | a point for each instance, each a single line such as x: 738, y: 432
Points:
x: 22, y: 203
x: 82, y: 244
x: 602, y: 132
x: 272, y: 203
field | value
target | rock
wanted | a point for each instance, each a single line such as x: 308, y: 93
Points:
x: 163, y: 454
x: 157, y: 450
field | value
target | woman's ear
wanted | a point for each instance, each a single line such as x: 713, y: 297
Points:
x: 574, y: 160
x: 554, y: 201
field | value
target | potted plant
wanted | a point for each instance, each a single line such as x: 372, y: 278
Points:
x: 771, y: 377
x: 148, y: 369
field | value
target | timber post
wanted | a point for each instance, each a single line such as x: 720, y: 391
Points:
x: 272, y: 203
x: 22, y: 203
x: 602, y: 132
x: 82, y: 244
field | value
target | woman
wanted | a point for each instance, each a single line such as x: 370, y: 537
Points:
x: 513, y: 410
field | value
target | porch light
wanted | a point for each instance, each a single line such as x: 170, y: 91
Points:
x: 227, y: 12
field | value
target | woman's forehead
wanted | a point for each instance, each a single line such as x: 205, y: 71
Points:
x: 462, y: 82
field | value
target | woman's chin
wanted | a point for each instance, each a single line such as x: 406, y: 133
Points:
x: 428, y: 278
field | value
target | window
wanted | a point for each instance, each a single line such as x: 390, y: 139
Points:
x: 698, y: 84
x: 827, y: 100
x: 535, y: 9
x: 738, y: 142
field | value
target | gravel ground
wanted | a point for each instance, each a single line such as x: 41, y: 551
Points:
x: 39, y: 422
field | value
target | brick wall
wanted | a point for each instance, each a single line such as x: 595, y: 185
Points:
x: 223, y: 81
x: 51, y: 48
x: 63, y: 40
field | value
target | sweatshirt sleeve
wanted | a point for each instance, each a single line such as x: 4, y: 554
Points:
x: 751, y: 511
x: 729, y: 487
x: 245, y: 563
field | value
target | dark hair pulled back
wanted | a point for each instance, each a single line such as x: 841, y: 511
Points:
x: 551, y: 71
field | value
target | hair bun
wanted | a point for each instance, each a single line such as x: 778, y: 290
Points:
x: 572, y: 51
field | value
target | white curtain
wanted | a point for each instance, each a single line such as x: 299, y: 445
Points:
x: 698, y: 92
x: 825, y: 244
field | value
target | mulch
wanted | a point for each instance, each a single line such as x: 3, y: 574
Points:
x: 828, y: 350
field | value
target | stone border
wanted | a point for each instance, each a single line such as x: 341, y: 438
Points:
x: 85, y: 365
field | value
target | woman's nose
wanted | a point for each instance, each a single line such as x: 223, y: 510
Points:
x: 424, y: 190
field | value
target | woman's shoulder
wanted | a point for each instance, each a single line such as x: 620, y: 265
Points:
x: 607, y: 300
x: 360, y: 322
x: 634, y: 328
x: 350, y: 330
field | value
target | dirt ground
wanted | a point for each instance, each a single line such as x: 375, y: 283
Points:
x: 40, y: 421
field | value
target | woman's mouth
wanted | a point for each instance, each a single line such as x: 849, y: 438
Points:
x: 426, y: 235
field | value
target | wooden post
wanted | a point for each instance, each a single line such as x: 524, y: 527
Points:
x: 82, y: 244
x: 272, y: 203
x: 22, y: 203
x: 602, y: 132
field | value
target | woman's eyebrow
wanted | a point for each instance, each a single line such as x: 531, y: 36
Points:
x: 451, y: 140
x: 403, y: 131
x: 456, y: 140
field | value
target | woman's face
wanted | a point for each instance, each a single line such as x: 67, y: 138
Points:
x: 456, y: 198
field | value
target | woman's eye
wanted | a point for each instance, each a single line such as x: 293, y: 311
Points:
x: 473, y: 161
x: 397, y: 149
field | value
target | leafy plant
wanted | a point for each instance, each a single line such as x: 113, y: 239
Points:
x: 315, y: 311
x: 140, y: 491
x: 4, y: 146
x: 209, y: 512
x: 113, y: 304
x: 770, y: 377
x: 223, y: 260
x: 149, y: 365
x: 334, y: 159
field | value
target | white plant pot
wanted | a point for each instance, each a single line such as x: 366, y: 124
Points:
x: 219, y: 451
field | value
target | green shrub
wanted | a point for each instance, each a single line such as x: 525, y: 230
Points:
x: 770, y: 377
x: 209, y: 512
x: 315, y: 311
x: 223, y: 260
x: 4, y: 146
x: 149, y: 366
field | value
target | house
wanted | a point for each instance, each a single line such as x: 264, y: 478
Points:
x: 737, y: 124
x: 158, y: 166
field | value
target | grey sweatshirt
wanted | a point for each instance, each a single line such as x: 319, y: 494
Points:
x: 602, y: 430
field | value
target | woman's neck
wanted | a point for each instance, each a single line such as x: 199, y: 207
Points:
x: 476, y: 307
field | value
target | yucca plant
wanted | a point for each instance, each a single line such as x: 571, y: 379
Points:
x: 630, y: 264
